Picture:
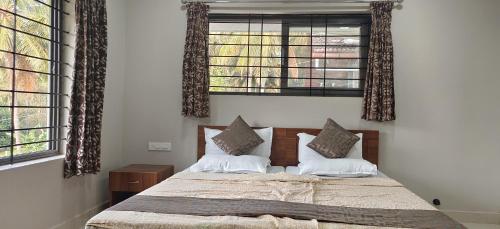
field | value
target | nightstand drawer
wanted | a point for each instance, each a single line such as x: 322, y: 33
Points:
x: 131, y: 182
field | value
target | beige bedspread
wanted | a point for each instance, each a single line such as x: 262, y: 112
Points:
x: 371, y: 192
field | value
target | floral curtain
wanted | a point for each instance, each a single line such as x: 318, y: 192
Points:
x: 195, y: 81
x: 83, y: 149
x: 378, y: 102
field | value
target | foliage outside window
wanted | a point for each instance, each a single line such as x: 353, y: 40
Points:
x: 305, y: 55
x: 29, y: 79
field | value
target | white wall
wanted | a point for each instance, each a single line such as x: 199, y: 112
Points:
x: 37, y: 196
x: 444, y: 143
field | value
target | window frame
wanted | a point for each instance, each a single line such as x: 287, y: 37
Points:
x: 293, y: 20
x: 54, y: 108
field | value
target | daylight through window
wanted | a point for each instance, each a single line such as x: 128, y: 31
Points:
x: 303, y: 55
x: 29, y: 79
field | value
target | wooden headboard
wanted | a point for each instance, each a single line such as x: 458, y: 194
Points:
x: 284, y: 151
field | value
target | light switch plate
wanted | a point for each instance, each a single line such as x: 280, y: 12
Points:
x: 160, y: 146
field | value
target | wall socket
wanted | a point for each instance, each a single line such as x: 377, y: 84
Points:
x: 159, y: 146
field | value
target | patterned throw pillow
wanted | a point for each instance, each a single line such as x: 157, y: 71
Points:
x: 333, y: 141
x: 238, y: 138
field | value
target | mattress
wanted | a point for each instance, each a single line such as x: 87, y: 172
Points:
x: 276, y: 169
x: 365, y: 194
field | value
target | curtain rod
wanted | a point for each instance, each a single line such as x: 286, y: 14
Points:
x: 286, y: 1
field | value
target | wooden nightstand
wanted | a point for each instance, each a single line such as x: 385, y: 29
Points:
x: 130, y: 180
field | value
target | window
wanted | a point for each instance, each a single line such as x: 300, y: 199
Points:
x: 303, y: 55
x: 29, y: 79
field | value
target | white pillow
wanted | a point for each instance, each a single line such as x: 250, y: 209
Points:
x: 306, y: 153
x: 225, y: 163
x: 343, y: 167
x: 263, y: 149
x: 210, y: 146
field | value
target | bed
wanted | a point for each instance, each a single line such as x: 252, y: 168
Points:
x: 275, y: 200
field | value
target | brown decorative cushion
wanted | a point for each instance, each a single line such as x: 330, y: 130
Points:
x: 238, y: 138
x: 333, y: 141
